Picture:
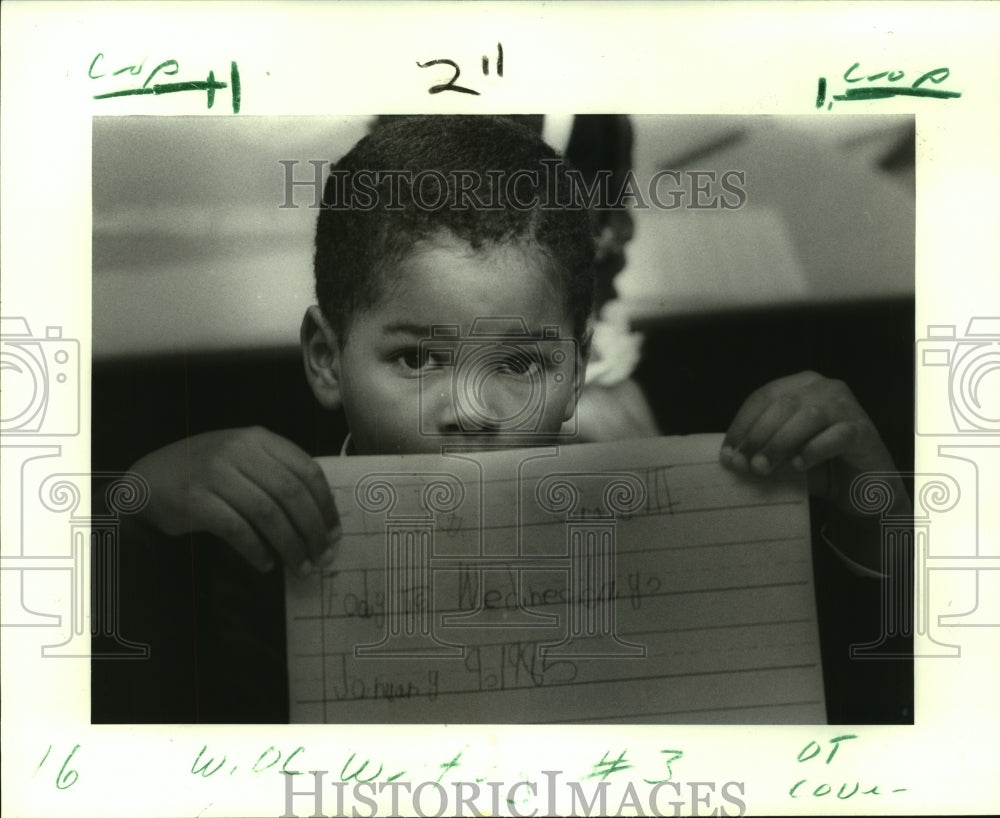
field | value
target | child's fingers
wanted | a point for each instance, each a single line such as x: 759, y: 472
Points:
x: 256, y: 505
x: 745, y: 418
x: 828, y: 444
x: 309, y: 474
x: 787, y: 442
x: 758, y: 400
x: 311, y: 537
x: 767, y: 424
x: 226, y: 523
x: 252, y: 488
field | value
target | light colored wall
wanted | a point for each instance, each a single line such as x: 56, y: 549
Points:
x: 191, y: 251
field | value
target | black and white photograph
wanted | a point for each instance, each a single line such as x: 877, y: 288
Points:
x: 508, y: 409
x: 750, y: 276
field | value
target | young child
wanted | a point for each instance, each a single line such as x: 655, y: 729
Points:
x: 444, y: 222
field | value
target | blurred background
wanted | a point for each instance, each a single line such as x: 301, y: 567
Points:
x: 193, y: 251
x: 200, y: 279
x: 201, y: 276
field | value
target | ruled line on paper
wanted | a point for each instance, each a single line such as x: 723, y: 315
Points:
x: 629, y: 679
x: 682, y: 711
x: 673, y: 512
x: 320, y: 654
x: 632, y: 611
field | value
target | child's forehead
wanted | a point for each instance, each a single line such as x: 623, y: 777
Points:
x: 446, y: 245
x: 444, y: 279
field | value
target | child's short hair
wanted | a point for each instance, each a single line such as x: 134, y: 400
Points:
x: 485, y: 179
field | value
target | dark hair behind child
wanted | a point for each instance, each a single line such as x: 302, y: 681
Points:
x: 487, y: 180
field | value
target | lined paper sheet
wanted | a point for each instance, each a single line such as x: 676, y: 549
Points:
x: 634, y: 582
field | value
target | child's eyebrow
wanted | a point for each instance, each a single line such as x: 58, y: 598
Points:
x: 513, y: 331
x: 403, y: 328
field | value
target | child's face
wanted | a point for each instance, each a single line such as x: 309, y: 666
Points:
x: 400, y: 397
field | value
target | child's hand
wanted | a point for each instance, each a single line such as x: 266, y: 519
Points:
x: 257, y: 491
x: 806, y: 420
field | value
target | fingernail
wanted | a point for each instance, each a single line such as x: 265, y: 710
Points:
x: 760, y: 464
x: 726, y: 454
x: 306, y: 568
x: 326, y: 559
x: 335, y: 534
x: 739, y: 461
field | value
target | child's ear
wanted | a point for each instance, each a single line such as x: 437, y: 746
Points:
x: 321, y: 356
x: 583, y: 356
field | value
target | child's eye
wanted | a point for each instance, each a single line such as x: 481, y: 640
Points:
x: 413, y: 360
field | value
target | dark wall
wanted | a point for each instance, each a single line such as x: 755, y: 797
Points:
x: 139, y: 406
x: 696, y: 373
